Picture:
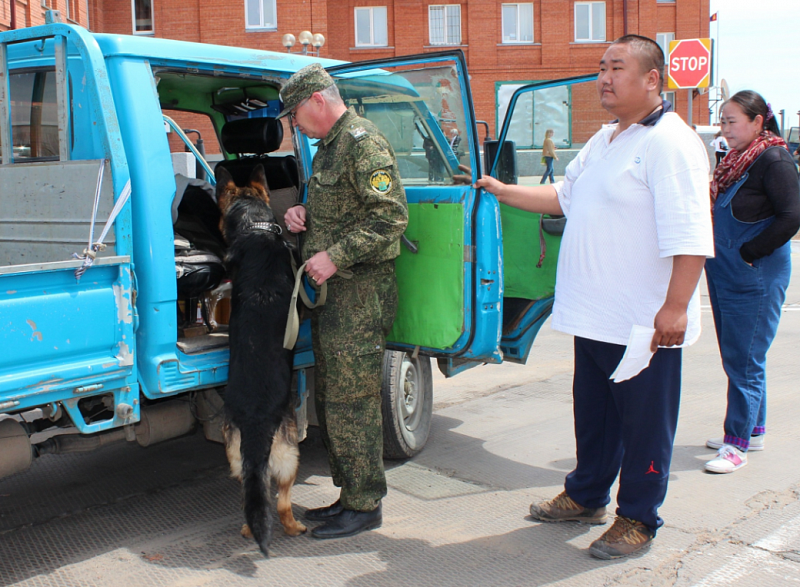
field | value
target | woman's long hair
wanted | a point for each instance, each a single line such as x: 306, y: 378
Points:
x: 753, y: 104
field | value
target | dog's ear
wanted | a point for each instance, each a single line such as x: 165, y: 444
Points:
x: 224, y: 180
x: 258, y: 181
x: 225, y: 188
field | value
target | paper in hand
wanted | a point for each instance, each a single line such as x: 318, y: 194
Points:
x: 637, y: 354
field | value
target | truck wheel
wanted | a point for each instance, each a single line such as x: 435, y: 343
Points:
x: 407, y: 392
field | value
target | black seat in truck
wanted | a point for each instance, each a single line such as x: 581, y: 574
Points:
x: 253, y: 139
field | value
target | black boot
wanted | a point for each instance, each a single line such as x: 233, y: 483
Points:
x: 349, y: 523
x: 324, y: 514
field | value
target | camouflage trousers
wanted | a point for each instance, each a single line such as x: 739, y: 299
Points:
x: 349, y: 338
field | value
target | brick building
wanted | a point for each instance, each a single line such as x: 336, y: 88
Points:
x: 506, y: 44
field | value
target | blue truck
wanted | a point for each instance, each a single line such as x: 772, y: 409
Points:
x: 95, y: 316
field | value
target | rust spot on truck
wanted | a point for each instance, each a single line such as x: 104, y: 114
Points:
x: 36, y: 334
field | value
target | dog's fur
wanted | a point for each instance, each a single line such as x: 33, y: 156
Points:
x: 261, y: 431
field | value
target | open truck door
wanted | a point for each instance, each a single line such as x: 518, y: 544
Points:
x: 531, y: 241
x: 66, y: 328
x: 449, y: 271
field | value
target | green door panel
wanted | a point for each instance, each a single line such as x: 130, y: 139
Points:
x: 431, y: 282
x: 521, y: 252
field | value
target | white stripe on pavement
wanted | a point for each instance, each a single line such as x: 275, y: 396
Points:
x: 755, y: 557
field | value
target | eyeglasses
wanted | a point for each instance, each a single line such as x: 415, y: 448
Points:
x: 293, y: 113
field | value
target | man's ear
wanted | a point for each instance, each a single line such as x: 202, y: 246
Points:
x: 652, y: 79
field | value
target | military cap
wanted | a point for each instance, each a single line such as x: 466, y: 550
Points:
x: 312, y: 78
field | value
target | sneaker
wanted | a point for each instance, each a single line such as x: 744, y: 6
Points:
x: 756, y: 443
x: 624, y: 538
x: 728, y: 459
x: 562, y: 509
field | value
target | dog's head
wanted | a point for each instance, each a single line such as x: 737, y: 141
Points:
x: 242, y: 205
x: 228, y: 191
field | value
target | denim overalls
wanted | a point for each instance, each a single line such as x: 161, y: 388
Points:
x: 746, y: 302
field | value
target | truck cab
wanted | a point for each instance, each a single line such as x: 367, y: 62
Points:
x: 99, y: 325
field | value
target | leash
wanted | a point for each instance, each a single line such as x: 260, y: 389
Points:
x: 293, y: 321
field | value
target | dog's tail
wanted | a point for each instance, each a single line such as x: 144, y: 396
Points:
x: 256, y: 445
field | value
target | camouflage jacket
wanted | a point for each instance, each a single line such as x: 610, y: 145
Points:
x: 356, y: 208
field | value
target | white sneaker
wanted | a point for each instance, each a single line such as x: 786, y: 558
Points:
x: 756, y: 443
x: 729, y: 459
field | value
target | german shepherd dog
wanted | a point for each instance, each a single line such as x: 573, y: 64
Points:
x: 261, y: 430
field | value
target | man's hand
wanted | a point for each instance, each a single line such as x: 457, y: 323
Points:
x: 670, y: 325
x: 295, y: 219
x: 491, y: 185
x: 465, y: 179
x: 671, y: 321
x: 320, y: 268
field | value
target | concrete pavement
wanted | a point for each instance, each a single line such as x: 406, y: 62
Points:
x: 455, y: 515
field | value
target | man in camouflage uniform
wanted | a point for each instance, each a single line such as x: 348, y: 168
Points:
x: 353, y: 219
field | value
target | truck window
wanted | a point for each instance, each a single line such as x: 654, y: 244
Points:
x: 420, y: 110
x: 34, y: 115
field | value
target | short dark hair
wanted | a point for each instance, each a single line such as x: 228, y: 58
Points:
x: 648, y: 52
x: 752, y: 104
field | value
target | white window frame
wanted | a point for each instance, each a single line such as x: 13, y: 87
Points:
x: 592, y: 6
x: 152, y: 30
x: 372, y: 42
x: 261, y: 24
x: 517, y: 33
x: 663, y: 40
x: 446, y: 8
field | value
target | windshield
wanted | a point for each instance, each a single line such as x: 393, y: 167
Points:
x: 420, y: 110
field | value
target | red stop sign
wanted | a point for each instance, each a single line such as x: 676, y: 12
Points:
x: 689, y: 63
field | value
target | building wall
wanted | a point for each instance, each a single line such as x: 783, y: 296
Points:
x: 31, y: 12
x: 553, y: 54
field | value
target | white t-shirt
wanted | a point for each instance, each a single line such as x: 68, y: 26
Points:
x: 631, y: 205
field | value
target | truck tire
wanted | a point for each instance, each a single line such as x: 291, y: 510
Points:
x: 407, y: 392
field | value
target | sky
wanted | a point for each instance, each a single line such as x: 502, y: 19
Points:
x: 759, y: 48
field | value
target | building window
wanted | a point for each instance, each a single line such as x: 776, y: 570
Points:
x: 260, y: 14
x: 444, y: 23
x: 590, y: 22
x: 518, y: 23
x: 669, y: 97
x: 371, y: 28
x: 663, y: 40
x: 72, y: 10
x: 142, y: 17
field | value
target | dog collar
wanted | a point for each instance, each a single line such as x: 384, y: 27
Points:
x: 266, y: 226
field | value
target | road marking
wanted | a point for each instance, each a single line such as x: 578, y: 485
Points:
x: 755, y: 557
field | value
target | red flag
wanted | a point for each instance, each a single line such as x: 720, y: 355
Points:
x: 714, y: 17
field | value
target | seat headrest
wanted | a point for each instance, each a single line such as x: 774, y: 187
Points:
x: 252, y: 135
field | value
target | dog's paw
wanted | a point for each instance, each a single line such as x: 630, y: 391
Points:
x: 246, y: 533
x: 295, y: 530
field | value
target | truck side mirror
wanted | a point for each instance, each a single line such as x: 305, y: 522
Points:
x: 507, y: 163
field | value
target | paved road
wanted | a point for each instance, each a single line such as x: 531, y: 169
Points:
x: 455, y: 515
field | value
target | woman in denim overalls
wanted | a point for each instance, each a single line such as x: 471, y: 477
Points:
x: 748, y: 277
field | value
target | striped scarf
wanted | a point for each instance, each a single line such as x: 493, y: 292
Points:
x: 735, y: 163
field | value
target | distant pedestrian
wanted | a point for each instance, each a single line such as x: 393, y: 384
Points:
x: 637, y: 235
x: 756, y: 202
x: 720, y: 145
x: 548, y: 154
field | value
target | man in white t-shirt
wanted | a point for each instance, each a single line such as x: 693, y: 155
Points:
x: 637, y: 235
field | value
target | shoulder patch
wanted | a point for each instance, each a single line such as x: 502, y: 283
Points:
x: 381, y: 181
x: 359, y: 133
